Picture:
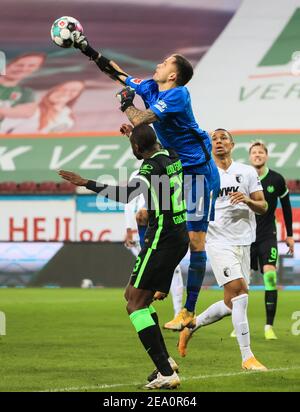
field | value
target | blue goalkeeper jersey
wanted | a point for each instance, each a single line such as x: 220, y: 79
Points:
x: 176, y: 127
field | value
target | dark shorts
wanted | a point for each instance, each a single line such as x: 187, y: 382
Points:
x: 154, y: 268
x: 264, y: 253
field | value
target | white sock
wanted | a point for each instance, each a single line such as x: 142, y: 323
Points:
x: 241, y: 325
x: 176, y: 290
x: 215, y: 312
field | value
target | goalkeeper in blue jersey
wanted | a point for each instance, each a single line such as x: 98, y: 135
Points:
x: 168, y: 108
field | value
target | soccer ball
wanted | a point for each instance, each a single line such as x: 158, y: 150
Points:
x: 86, y: 284
x: 62, y: 31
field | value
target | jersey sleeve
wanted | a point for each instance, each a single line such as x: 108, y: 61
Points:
x: 254, y: 181
x: 140, y: 86
x: 122, y: 194
x: 282, y: 187
x: 174, y: 101
x: 147, y: 171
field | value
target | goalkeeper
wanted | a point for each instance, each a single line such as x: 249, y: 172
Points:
x: 168, y: 107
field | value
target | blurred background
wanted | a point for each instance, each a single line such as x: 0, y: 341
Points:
x: 247, y: 65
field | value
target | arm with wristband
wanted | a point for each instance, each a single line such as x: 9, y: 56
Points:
x: 107, y: 66
x: 111, y: 69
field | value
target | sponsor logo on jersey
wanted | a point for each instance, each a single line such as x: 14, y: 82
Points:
x: 161, y: 105
x: 224, y: 191
x: 174, y: 167
x: 271, y: 189
x: 239, y: 178
x: 146, y: 169
x: 136, y: 81
x: 227, y: 272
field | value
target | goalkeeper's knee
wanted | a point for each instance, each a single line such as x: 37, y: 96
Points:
x: 270, y: 280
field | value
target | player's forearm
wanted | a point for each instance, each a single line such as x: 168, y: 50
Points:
x: 109, y: 67
x: 121, y: 194
x: 137, y: 117
x: 123, y: 75
x: 287, y: 214
x: 257, y: 206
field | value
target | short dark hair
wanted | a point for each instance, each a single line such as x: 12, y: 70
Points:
x: 220, y: 129
x: 144, y: 136
x: 185, y: 70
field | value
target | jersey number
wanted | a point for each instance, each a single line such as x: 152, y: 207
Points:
x: 273, y: 253
x: 178, y: 204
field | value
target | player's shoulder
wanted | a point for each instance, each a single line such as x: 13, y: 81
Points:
x: 137, y: 81
x: 180, y: 91
x: 134, y: 174
x: 243, y: 168
x: 159, y: 162
x: 275, y: 175
x: 149, y: 167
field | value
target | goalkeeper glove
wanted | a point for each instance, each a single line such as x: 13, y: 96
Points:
x: 126, y: 96
x: 81, y: 43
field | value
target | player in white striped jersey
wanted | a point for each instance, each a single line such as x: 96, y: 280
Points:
x: 228, y: 246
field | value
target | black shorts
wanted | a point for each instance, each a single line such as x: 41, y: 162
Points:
x: 154, y: 268
x: 264, y: 253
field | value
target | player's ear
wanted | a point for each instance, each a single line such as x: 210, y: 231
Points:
x: 172, y: 76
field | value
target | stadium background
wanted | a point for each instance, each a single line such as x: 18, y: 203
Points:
x: 257, y: 80
x: 246, y: 79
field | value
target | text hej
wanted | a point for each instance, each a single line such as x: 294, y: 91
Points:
x: 55, y: 229
x: 37, y: 229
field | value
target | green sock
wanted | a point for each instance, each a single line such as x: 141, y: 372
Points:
x: 149, y: 334
x: 271, y: 295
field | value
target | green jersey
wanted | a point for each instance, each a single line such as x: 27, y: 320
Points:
x: 12, y: 96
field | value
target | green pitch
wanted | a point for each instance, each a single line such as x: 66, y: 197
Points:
x: 82, y: 340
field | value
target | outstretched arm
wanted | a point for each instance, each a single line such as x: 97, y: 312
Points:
x: 122, y: 194
x: 107, y: 66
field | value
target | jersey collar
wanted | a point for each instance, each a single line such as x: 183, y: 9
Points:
x: 163, y: 152
x: 265, y: 174
x: 232, y: 165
